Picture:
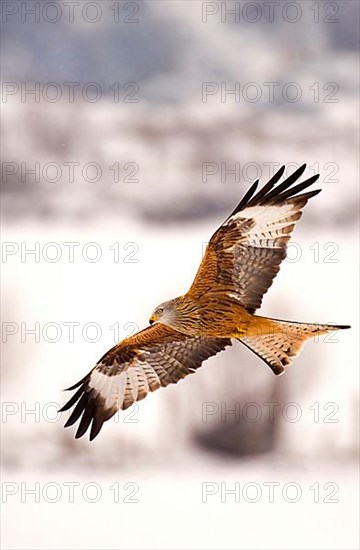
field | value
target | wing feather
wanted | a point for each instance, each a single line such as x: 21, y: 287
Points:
x: 155, y: 357
x: 244, y: 254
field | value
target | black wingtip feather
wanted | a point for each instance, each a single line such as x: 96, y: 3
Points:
x: 97, y: 424
x: 297, y: 189
x: 72, y: 400
x: 286, y: 183
x: 307, y: 196
x: 296, y: 175
x: 270, y: 184
x: 86, y: 418
x: 89, y: 408
x: 85, y: 379
x: 245, y: 198
x: 275, y: 178
x: 79, y: 409
x: 271, y: 194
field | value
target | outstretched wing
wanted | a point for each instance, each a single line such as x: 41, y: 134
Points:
x: 244, y: 254
x: 154, y: 357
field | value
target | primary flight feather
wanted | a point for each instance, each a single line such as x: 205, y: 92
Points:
x: 240, y: 262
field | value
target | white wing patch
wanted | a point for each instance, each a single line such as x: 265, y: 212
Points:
x: 110, y: 388
x: 271, y: 223
x: 122, y: 389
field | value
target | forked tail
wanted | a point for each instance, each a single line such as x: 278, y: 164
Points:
x: 277, y: 342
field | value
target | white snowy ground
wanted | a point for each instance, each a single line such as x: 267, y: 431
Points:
x: 312, y: 507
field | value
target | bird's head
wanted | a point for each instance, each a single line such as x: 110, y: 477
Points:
x: 164, y: 313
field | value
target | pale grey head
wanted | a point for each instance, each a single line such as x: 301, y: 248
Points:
x: 164, y: 313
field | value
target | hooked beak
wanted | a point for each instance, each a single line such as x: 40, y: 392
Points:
x: 151, y: 320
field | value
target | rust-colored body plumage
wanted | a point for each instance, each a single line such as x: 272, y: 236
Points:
x: 241, y: 260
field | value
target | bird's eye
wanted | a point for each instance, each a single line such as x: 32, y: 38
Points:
x: 160, y: 310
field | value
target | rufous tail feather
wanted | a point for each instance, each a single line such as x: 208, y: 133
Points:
x: 278, y: 342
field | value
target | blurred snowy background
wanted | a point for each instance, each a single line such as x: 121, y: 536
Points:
x: 129, y: 131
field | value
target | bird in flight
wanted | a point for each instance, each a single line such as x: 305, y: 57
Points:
x: 239, y: 265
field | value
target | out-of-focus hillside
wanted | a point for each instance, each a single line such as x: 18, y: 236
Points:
x: 168, y: 165
x: 160, y: 141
